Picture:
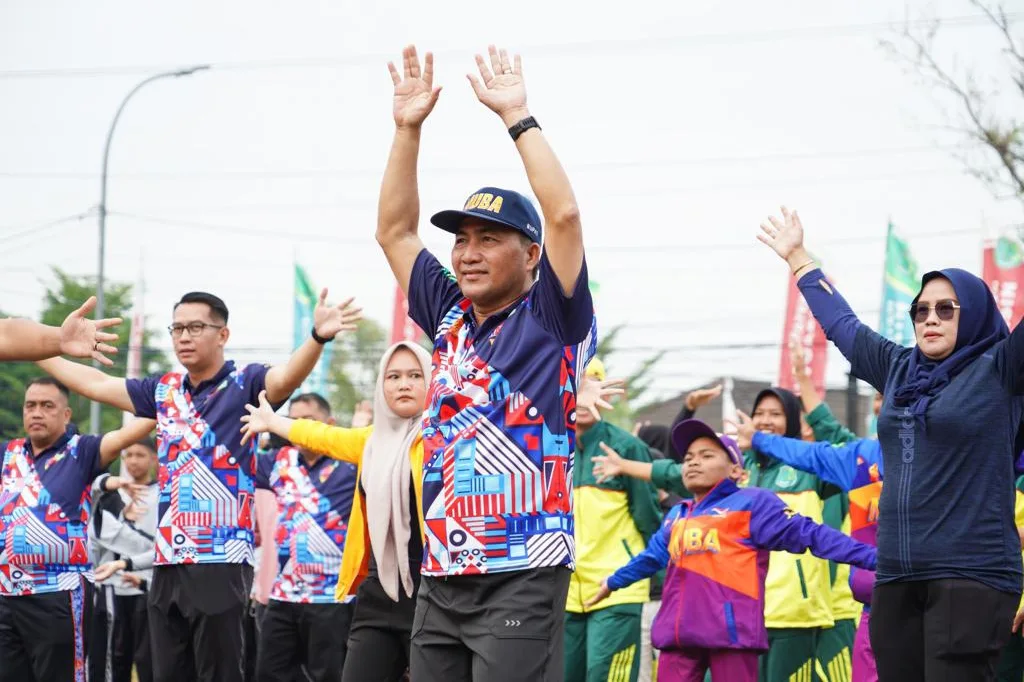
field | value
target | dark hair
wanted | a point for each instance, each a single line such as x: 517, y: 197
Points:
x: 147, y: 443
x: 316, y: 399
x: 218, y: 309
x: 526, y: 245
x: 50, y: 381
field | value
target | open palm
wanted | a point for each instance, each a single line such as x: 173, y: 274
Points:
x: 415, y: 94
x: 329, y: 321
x: 502, y: 88
x: 784, y: 237
x: 81, y: 337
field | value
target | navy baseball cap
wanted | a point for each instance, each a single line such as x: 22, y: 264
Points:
x: 494, y: 205
x: 690, y: 430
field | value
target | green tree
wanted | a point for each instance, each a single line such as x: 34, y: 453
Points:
x: 66, y: 295
x: 637, y: 383
x: 14, y: 377
x: 354, y: 367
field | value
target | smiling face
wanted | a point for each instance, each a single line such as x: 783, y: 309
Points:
x: 936, y: 337
x: 492, y: 264
x: 770, y: 416
x: 706, y: 464
x: 405, y: 386
x: 45, y: 415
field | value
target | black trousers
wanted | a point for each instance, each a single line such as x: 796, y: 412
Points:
x: 948, y: 630
x: 378, y: 642
x: 195, y: 622
x: 42, y: 637
x: 131, y: 639
x: 297, y: 638
x: 491, y: 628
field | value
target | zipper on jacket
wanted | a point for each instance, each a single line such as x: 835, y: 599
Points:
x: 679, y: 611
x: 625, y: 545
x: 800, y: 574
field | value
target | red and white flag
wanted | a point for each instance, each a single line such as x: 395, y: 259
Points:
x: 801, y: 327
x: 1003, y: 272
x: 402, y: 326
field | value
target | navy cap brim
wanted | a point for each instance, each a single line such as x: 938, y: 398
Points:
x: 451, y: 220
x: 690, y: 430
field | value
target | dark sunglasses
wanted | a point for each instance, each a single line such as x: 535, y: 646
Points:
x: 944, y: 310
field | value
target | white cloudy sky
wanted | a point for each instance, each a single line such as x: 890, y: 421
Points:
x: 681, y: 125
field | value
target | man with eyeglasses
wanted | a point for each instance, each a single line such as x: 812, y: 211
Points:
x: 204, y: 544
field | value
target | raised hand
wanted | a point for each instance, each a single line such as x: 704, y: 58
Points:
x: 502, y: 89
x: 797, y: 360
x: 415, y: 94
x: 259, y: 420
x: 603, y: 593
x: 594, y: 394
x: 609, y: 466
x: 363, y: 415
x: 135, y: 511
x: 81, y: 337
x: 785, y: 237
x: 744, y: 430
x: 329, y: 321
x: 701, y: 397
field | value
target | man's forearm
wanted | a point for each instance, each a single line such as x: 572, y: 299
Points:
x: 89, y: 382
x: 398, y: 210
x: 27, y: 340
x: 548, y: 179
x: 282, y: 380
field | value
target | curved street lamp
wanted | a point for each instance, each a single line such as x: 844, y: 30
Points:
x: 94, y: 408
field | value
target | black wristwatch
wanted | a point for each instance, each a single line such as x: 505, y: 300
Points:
x: 128, y: 563
x: 319, y: 339
x: 519, y: 128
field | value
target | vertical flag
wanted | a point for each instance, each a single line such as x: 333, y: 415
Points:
x: 1003, y: 271
x: 136, y: 335
x: 306, y: 297
x: 801, y: 327
x: 899, y: 287
x: 402, y: 326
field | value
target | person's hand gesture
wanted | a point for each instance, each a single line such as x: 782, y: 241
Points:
x: 259, y: 420
x: 603, y: 593
x: 609, y: 466
x: 415, y: 94
x: 104, y: 571
x: 797, y: 360
x: 135, y: 511
x: 329, y: 321
x: 363, y: 415
x: 131, y: 580
x: 502, y: 89
x: 744, y: 430
x: 81, y: 337
x: 594, y: 393
x: 701, y: 397
x: 785, y: 237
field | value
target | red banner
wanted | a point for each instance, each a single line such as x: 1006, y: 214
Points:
x: 801, y: 326
x: 1003, y: 272
x: 402, y: 326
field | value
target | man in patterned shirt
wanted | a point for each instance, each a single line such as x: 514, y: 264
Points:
x: 45, y: 504
x: 204, y: 544
x: 303, y: 624
x: 498, y: 430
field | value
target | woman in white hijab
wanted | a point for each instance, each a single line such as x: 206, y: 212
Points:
x: 384, y: 541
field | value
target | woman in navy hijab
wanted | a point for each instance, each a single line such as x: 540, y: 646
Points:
x: 949, y: 560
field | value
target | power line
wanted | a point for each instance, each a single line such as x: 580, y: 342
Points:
x: 601, y: 46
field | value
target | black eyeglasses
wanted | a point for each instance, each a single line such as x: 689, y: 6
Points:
x: 194, y: 328
x: 944, y: 310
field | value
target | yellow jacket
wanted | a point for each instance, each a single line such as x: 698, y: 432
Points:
x: 347, y: 445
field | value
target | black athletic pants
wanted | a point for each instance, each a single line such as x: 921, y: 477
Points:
x: 496, y: 627
x: 131, y: 639
x: 378, y: 641
x: 949, y: 630
x: 42, y: 637
x: 307, y: 636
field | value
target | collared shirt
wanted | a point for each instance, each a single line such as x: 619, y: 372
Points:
x: 206, y: 474
x: 45, y: 504
x: 314, y: 503
x: 499, y: 428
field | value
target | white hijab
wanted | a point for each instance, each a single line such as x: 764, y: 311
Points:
x: 386, y: 475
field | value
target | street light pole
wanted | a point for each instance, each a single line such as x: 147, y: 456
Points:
x: 94, y: 408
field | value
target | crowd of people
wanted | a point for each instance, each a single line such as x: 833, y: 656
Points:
x: 482, y: 521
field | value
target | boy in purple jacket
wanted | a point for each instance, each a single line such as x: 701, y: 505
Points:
x: 716, y: 547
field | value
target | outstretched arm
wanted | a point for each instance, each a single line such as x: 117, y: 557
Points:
x: 334, y: 441
x: 114, y: 442
x: 645, y: 564
x: 89, y: 382
x: 78, y: 337
x: 503, y: 91
x: 398, y: 210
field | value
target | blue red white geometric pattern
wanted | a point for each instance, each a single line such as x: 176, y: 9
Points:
x: 314, y: 504
x: 499, y: 427
x: 45, y: 506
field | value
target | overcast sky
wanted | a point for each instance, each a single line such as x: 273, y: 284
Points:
x: 681, y: 126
